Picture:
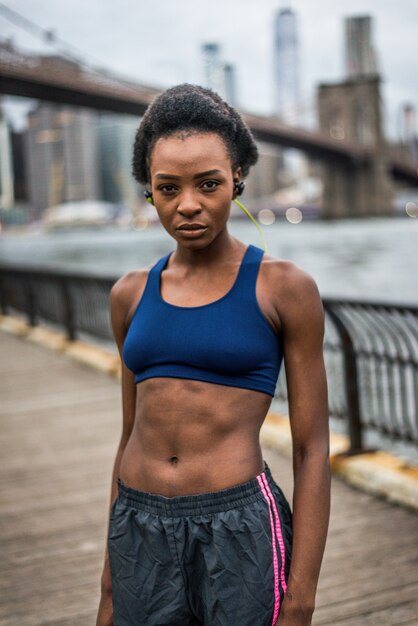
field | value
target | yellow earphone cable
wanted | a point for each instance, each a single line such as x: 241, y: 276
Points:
x: 241, y: 206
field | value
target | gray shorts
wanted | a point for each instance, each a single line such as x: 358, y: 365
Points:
x: 215, y: 559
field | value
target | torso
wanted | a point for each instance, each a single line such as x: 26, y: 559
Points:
x: 192, y: 436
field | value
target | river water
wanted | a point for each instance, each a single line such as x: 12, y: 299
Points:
x: 373, y: 259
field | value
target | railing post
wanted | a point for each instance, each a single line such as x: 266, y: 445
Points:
x: 69, y: 318
x: 3, y: 303
x: 351, y: 383
x: 31, y: 301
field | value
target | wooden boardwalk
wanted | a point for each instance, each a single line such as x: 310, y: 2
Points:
x: 60, y: 424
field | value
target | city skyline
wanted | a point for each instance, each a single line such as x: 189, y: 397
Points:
x: 183, y: 27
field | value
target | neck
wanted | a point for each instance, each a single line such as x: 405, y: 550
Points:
x: 220, y: 250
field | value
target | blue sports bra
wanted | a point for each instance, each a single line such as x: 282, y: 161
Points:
x: 228, y: 341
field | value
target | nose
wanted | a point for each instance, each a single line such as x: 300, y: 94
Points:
x: 189, y: 203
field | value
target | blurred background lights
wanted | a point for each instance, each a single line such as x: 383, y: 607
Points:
x: 266, y: 217
x: 411, y: 209
x: 294, y: 215
x: 139, y: 222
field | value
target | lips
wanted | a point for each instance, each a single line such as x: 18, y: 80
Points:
x: 191, y: 227
x: 191, y: 231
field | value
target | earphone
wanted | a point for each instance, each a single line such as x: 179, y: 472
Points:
x: 239, y: 188
x: 148, y: 195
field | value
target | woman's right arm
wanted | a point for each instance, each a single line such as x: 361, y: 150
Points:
x: 120, y: 303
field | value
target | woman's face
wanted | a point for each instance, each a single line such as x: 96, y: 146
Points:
x: 192, y: 183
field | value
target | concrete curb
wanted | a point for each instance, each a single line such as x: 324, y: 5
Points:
x: 88, y: 353
x: 380, y: 473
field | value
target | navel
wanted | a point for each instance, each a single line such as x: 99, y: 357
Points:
x: 174, y: 460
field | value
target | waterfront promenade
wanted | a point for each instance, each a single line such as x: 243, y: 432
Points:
x: 60, y: 425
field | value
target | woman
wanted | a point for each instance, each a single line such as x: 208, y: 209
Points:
x: 199, y: 531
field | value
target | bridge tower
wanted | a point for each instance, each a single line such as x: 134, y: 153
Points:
x: 350, y: 111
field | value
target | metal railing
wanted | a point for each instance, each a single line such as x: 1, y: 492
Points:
x: 76, y: 301
x: 378, y: 344
x: 370, y: 348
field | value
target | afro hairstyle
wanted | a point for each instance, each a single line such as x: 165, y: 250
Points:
x: 192, y: 108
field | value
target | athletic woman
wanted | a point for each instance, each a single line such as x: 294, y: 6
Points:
x: 199, y: 531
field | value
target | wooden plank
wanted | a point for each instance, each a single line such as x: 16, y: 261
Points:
x: 384, y: 600
x: 405, y: 614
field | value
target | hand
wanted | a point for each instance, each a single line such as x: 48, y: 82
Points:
x: 105, y: 613
x: 293, y: 613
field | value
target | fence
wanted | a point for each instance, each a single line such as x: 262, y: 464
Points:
x: 370, y: 348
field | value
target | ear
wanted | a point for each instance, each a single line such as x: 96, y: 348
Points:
x: 236, y: 177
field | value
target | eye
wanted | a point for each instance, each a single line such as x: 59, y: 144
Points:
x: 166, y: 188
x: 213, y: 184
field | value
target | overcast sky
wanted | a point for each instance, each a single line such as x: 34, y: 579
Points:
x: 158, y: 41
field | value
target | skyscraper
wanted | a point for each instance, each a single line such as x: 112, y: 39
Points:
x: 6, y: 168
x: 409, y: 134
x: 218, y: 75
x: 116, y: 135
x: 360, y: 57
x: 213, y: 71
x: 230, y: 83
x: 286, y: 66
x: 286, y: 81
x: 61, y: 152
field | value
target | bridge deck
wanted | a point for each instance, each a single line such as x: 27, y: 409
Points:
x: 60, y: 423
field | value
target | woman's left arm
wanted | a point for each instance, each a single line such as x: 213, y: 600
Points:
x: 302, y: 320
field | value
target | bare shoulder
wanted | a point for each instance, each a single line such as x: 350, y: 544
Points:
x: 293, y: 291
x: 125, y: 290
